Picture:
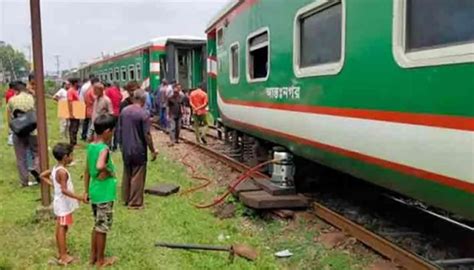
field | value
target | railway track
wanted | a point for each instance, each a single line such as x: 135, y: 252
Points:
x: 217, y: 154
x: 216, y: 149
x: 381, y: 245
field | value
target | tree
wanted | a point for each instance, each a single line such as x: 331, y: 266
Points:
x: 13, y: 62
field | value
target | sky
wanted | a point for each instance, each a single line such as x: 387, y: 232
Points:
x: 80, y: 30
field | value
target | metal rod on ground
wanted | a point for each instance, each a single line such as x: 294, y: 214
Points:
x: 40, y: 99
x: 239, y: 250
x: 192, y: 246
x: 455, y: 262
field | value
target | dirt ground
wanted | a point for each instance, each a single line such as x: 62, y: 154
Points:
x: 220, y: 174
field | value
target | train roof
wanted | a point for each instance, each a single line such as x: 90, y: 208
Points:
x: 226, y: 10
x: 158, y: 42
x: 162, y: 41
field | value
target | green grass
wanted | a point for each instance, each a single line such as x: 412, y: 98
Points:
x: 29, y: 244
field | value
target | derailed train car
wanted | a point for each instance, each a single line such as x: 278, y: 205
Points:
x: 180, y: 58
x: 382, y: 90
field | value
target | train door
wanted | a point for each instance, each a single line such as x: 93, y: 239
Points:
x: 197, y: 68
x: 184, y: 65
x: 211, y: 69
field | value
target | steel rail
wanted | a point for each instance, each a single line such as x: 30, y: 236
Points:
x: 381, y: 245
x: 238, y: 166
x: 224, y: 159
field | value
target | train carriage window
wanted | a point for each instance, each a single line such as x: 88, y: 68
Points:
x: 139, y: 72
x: 258, y: 56
x: 435, y: 23
x: 234, y: 63
x: 117, y: 74
x: 124, y: 74
x: 319, y: 39
x: 131, y: 72
x: 433, y: 32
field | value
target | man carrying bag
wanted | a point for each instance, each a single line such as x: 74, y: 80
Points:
x: 21, y: 111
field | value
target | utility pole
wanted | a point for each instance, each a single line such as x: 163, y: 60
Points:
x: 40, y: 99
x: 58, y: 64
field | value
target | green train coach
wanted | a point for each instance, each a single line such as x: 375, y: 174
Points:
x: 382, y: 90
x: 179, y: 58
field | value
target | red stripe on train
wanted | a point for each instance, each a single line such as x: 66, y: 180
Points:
x: 432, y: 120
x: 158, y: 48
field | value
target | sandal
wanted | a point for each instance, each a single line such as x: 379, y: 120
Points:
x: 107, y: 262
x: 67, y: 261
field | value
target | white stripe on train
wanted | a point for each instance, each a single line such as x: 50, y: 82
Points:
x: 442, y: 151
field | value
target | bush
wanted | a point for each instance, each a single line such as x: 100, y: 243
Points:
x: 50, y: 87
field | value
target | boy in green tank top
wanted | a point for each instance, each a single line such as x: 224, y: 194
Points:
x: 101, y: 184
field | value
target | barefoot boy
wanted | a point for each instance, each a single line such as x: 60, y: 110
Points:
x: 101, y: 183
x: 65, y: 200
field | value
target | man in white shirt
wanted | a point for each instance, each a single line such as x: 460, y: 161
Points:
x: 61, y: 95
x: 165, y: 92
x: 85, y: 87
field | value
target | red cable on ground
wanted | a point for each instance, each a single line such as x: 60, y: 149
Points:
x: 195, y: 176
x: 243, y: 177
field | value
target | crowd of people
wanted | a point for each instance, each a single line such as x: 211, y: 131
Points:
x: 178, y: 107
x: 114, y: 119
